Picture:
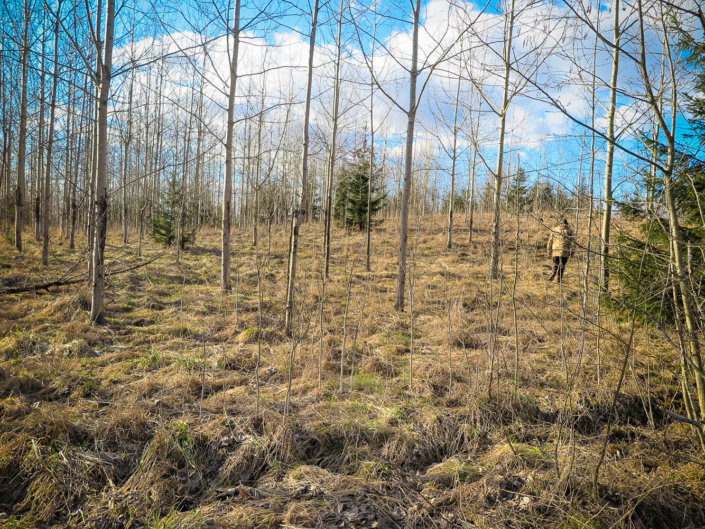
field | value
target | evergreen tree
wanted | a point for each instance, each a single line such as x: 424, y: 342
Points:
x: 540, y: 195
x: 459, y: 202
x: 517, y: 194
x: 644, y: 269
x: 352, y: 191
x: 172, y: 216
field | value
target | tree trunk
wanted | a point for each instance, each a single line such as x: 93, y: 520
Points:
x: 334, y: 137
x: 74, y: 185
x: 22, y: 136
x: 258, y: 168
x: 298, y: 214
x: 451, y: 200
x: 50, y: 144
x: 68, y: 150
x: 101, y: 196
x: 228, y: 180
x: 39, y: 167
x: 497, y: 202
x: 611, y: 109
x: 408, y: 162
x: 90, y: 214
x: 370, y: 179
x: 196, y: 196
x: 126, y: 161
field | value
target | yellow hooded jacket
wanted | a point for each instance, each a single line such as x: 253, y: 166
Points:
x: 561, y: 241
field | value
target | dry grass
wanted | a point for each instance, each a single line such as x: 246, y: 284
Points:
x: 149, y: 421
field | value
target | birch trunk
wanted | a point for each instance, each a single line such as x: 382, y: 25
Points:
x: 50, y: 144
x: 609, y: 161
x: 297, y: 215
x: 370, y: 179
x: 22, y: 135
x: 497, y: 201
x: 451, y: 202
x: 228, y: 180
x: 334, y: 138
x: 408, y: 161
x: 98, y: 294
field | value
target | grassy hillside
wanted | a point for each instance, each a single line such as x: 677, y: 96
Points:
x: 150, y: 420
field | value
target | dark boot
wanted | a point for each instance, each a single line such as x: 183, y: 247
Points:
x: 556, y: 264
x: 561, y: 268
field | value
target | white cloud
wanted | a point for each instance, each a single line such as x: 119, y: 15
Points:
x: 550, y: 47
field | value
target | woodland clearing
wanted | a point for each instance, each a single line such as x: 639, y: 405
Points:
x: 151, y: 419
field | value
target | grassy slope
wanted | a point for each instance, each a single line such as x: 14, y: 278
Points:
x: 160, y: 429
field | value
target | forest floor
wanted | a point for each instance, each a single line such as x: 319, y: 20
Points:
x: 151, y: 420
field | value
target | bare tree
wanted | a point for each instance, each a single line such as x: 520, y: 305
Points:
x: 680, y: 269
x: 46, y: 201
x: 370, y: 179
x: 98, y: 290
x: 502, y: 111
x: 609, y: 161
x: 22, y: 135
x: 408, y: 159
x: 298, y: 214
x: 334, y: 138
x: 228, y: 179
x: 434, y: 58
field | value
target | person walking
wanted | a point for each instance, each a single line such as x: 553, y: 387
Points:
x: 560, y: 247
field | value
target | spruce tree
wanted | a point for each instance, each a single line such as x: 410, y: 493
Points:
x: 171, y: 217
x: 517, y: 194
x: 352, y: 190
x: 644, y: 259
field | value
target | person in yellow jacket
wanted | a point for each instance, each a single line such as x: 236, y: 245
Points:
x: 560, y: 247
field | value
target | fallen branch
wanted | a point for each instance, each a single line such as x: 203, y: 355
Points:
x: 64, y: 282
x: 681, y: 418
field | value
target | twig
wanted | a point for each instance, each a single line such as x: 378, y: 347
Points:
x: 62, y: 282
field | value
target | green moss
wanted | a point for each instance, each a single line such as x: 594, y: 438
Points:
x: 453, y: 471
x: 250, y: 335
x: 374, y: 470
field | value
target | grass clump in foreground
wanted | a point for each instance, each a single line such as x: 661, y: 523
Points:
x: 150, y: 421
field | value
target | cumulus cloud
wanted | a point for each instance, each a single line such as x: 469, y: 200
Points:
x: 554, y: 54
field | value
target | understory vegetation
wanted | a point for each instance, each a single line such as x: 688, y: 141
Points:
x: 153, y: 419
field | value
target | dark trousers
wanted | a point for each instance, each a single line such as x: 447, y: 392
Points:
x: 558, y: 268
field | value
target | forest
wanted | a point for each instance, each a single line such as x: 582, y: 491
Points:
x: 339, y: 264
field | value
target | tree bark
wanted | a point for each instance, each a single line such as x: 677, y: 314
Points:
x: 334, y: 137
x: 298, y: 214
x: 22, y: 135
x: 228, y: 180
x: 451, y: 200
x: 408, y: 162
x: 370, y: 179
x: 609, y: 161
x: 101, y: 213
x: 50, y: 144
x: 91, y: 216
x: 497, y: 201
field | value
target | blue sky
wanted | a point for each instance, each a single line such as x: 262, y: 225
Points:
x: 539, y: 137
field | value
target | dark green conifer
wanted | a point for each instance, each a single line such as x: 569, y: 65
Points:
x: 352, y: 191
x: 172, y: 214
